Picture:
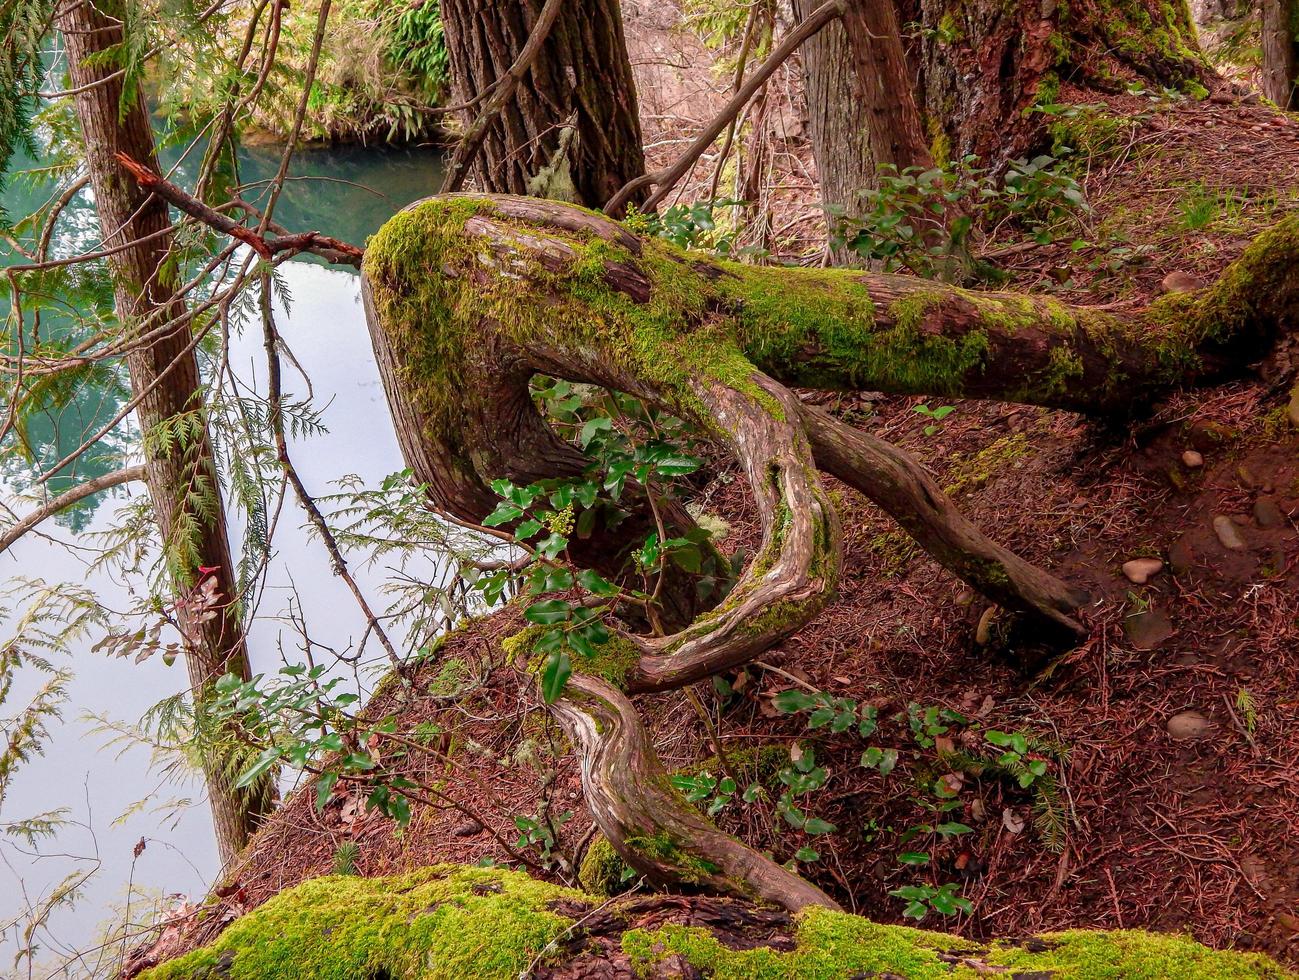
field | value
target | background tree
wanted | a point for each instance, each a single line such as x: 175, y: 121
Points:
x: 168, y: 391
x: 1280, y: 42
x: 984, y: 65
x: 572, y: 131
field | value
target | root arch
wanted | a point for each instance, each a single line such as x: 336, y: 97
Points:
x: 468, y: 297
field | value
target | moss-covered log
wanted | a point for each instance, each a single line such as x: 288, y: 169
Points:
x: 469, y: 297
x: 450, y: 922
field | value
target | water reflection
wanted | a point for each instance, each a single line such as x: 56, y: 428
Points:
x: 348, y: 193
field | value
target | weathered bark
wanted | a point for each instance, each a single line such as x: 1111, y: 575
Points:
x: 468, y: 297
x: 893, y: 126
x: 892, y: 479
x: 985, y: 63
x: 572, y: 131
x: 164, y: 376
x: 837, y: 119
x: 648, y: 822
x: 1280, y: 41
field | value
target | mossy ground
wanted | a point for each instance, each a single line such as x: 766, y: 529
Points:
x: 451, y: 921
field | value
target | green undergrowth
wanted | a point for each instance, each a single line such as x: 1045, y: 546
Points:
x: 450, y: 921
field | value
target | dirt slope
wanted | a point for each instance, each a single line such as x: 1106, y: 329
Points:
x: 1142, y: 829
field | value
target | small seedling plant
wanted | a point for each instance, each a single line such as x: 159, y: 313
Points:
x: 626, y: 443
x: 936, y: 768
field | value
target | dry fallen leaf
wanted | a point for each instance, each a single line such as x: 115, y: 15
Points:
x: 1012, y: 821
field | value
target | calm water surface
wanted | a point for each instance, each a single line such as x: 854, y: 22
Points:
x: 346, y: 192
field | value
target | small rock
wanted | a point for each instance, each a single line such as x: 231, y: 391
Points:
x: 1225, y: 528
x: 1192, y: 460
x: 1146, y: 630
x: 1139, y: 570
x: 983, y: 632
x: 1187, y: 725
x: 1180, y: 557
x: 1012, y: 821
x: 1267, y: 513
x: 1180, y: 282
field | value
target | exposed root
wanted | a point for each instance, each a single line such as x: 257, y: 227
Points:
x: 647, y: 821
x: 469, y: 297
x: 891, y: 478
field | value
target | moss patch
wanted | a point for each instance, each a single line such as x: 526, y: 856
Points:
x: 443, y: 921
x: 601, y: 871
x: 449, y: 921
x: 833, y: 945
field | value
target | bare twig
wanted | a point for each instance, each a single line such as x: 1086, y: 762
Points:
x: 308, y: 241
x: 128, y: 474
x: 338, y: 563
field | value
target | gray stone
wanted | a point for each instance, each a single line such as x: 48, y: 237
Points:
x: 1188, y: 725
x: 1225, y: 528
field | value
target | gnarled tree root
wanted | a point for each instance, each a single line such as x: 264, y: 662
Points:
x: 469, y: 297
x: 648, y: 822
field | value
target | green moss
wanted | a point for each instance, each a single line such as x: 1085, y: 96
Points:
x: 665, y: 849
x: 976, y: 471
x: 760, y: 764
x: 602, y: 869
x: 444, y: 921
x: 832, y: 945
x: 614, y: 659
x: 448, y: 922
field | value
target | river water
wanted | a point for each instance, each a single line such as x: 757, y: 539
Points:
x: 347, y: 192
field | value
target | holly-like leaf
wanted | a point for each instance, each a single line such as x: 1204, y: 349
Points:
x: 555, y: 675
x: 548, y: 612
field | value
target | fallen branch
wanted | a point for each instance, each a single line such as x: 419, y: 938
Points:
x: 313, y: 242
x: 664, y: 180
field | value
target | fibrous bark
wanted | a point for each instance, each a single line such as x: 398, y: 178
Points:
x: 469, y: 297
x: 984, y: 64
x: 1280, y: 42
x: 572, y: 132
x: 165, y: 379
x: 861, y: 102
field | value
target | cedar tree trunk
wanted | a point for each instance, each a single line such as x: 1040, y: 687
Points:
x: 985, y: 64
x: 1280, y: 39
x: 164, y: 372
x: 572, y: 131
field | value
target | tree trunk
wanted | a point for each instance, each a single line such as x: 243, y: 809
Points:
x: 861, y: 104
x: 572, y: 132
x: 985, y: 64
x: 838, y: 124
x: 1280, y: 40
x: 164, y: 374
